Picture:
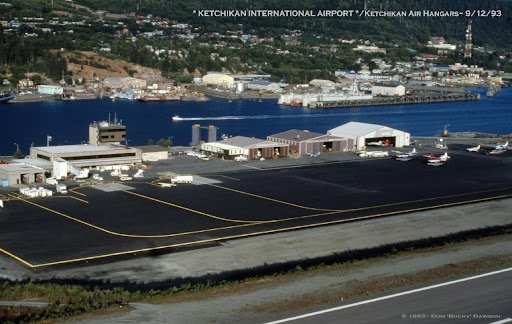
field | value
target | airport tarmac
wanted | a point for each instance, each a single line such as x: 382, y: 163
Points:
x: 100, y: 224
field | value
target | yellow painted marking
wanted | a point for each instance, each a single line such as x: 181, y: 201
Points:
x: 238, y: 236
x: 76, y: 192
x: 238, y: 226
x: 352, y: 209
x: 227, y: 177
x: 70, y: 197
x: 83, y: 222
x: 270, y: 199
x: 132, y: 235
x: 188, y: 209
x: 17, y: 258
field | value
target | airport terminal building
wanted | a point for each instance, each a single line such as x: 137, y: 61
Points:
x: 88, y: 156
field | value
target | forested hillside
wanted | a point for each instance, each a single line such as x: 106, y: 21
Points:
x: 487, y: 30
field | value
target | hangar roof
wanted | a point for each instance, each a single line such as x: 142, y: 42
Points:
x: 354, y: 129
x: 245, y: 142
x: 296, y: 135
x: 86, y: 148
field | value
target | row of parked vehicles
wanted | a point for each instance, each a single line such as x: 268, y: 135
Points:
x: 35, y: 192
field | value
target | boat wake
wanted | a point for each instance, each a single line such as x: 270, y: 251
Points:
x: 346, y: 113
x: 176, y: 118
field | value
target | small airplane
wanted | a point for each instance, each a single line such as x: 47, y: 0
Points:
x: 403, y: 158
x: 314, y: 155
x: 405, y: 154
x: 375, y: 154
x: 501, y: 146
x: 496, y: 151
x: 435, y: 163
x: 445, y: 157
x: 379, y: 143
x: 473, y: 149
x: 432, y: 159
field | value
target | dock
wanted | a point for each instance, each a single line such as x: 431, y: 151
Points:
x: 406, y: 100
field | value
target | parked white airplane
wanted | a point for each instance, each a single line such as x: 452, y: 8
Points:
x: 501, y: 146
x: 405, y: 154
x: 496, y: 152
x: 473, y: 149
x: 379, y: 143
x: 445, y: 157
x: 375, y: 154
x: 432, y: 159
x: 435, y: 163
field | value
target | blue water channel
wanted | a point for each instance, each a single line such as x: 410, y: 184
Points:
x: 67, y: 121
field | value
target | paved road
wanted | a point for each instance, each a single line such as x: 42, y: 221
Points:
x: 481, y: 299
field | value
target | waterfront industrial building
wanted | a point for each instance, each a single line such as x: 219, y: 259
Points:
x: 388, y: 90
x: 217, y: 79
x: 360, y: 134
x: 252, y: 148
x: 302, y: 142
x: 50, y: 89
x: 124, y: 83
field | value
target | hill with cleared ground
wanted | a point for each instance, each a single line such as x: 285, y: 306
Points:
x: 90, y: 65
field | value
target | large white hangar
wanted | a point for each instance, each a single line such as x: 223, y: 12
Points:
x: 363, y: 134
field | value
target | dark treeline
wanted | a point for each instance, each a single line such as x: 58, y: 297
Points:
x: 487, y: 30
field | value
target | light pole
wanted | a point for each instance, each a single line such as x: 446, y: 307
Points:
x: 445, y: 132
x: 17, y: 154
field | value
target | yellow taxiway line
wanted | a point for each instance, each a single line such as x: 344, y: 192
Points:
x: 248, y: 223
x: 238, y: 236
x: 189, y: 209
x: 225, y: 176
x: 353, y: 209
x: 76, y: 192
x: 17, y: 258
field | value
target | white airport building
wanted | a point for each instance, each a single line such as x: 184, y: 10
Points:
x: 362, y: 133
x: 70, y: 158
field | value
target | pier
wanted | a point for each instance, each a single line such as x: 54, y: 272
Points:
x: 406, y: 100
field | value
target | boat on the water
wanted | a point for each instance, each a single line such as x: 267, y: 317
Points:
x: 6, y: 96
x: 176, y: 118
